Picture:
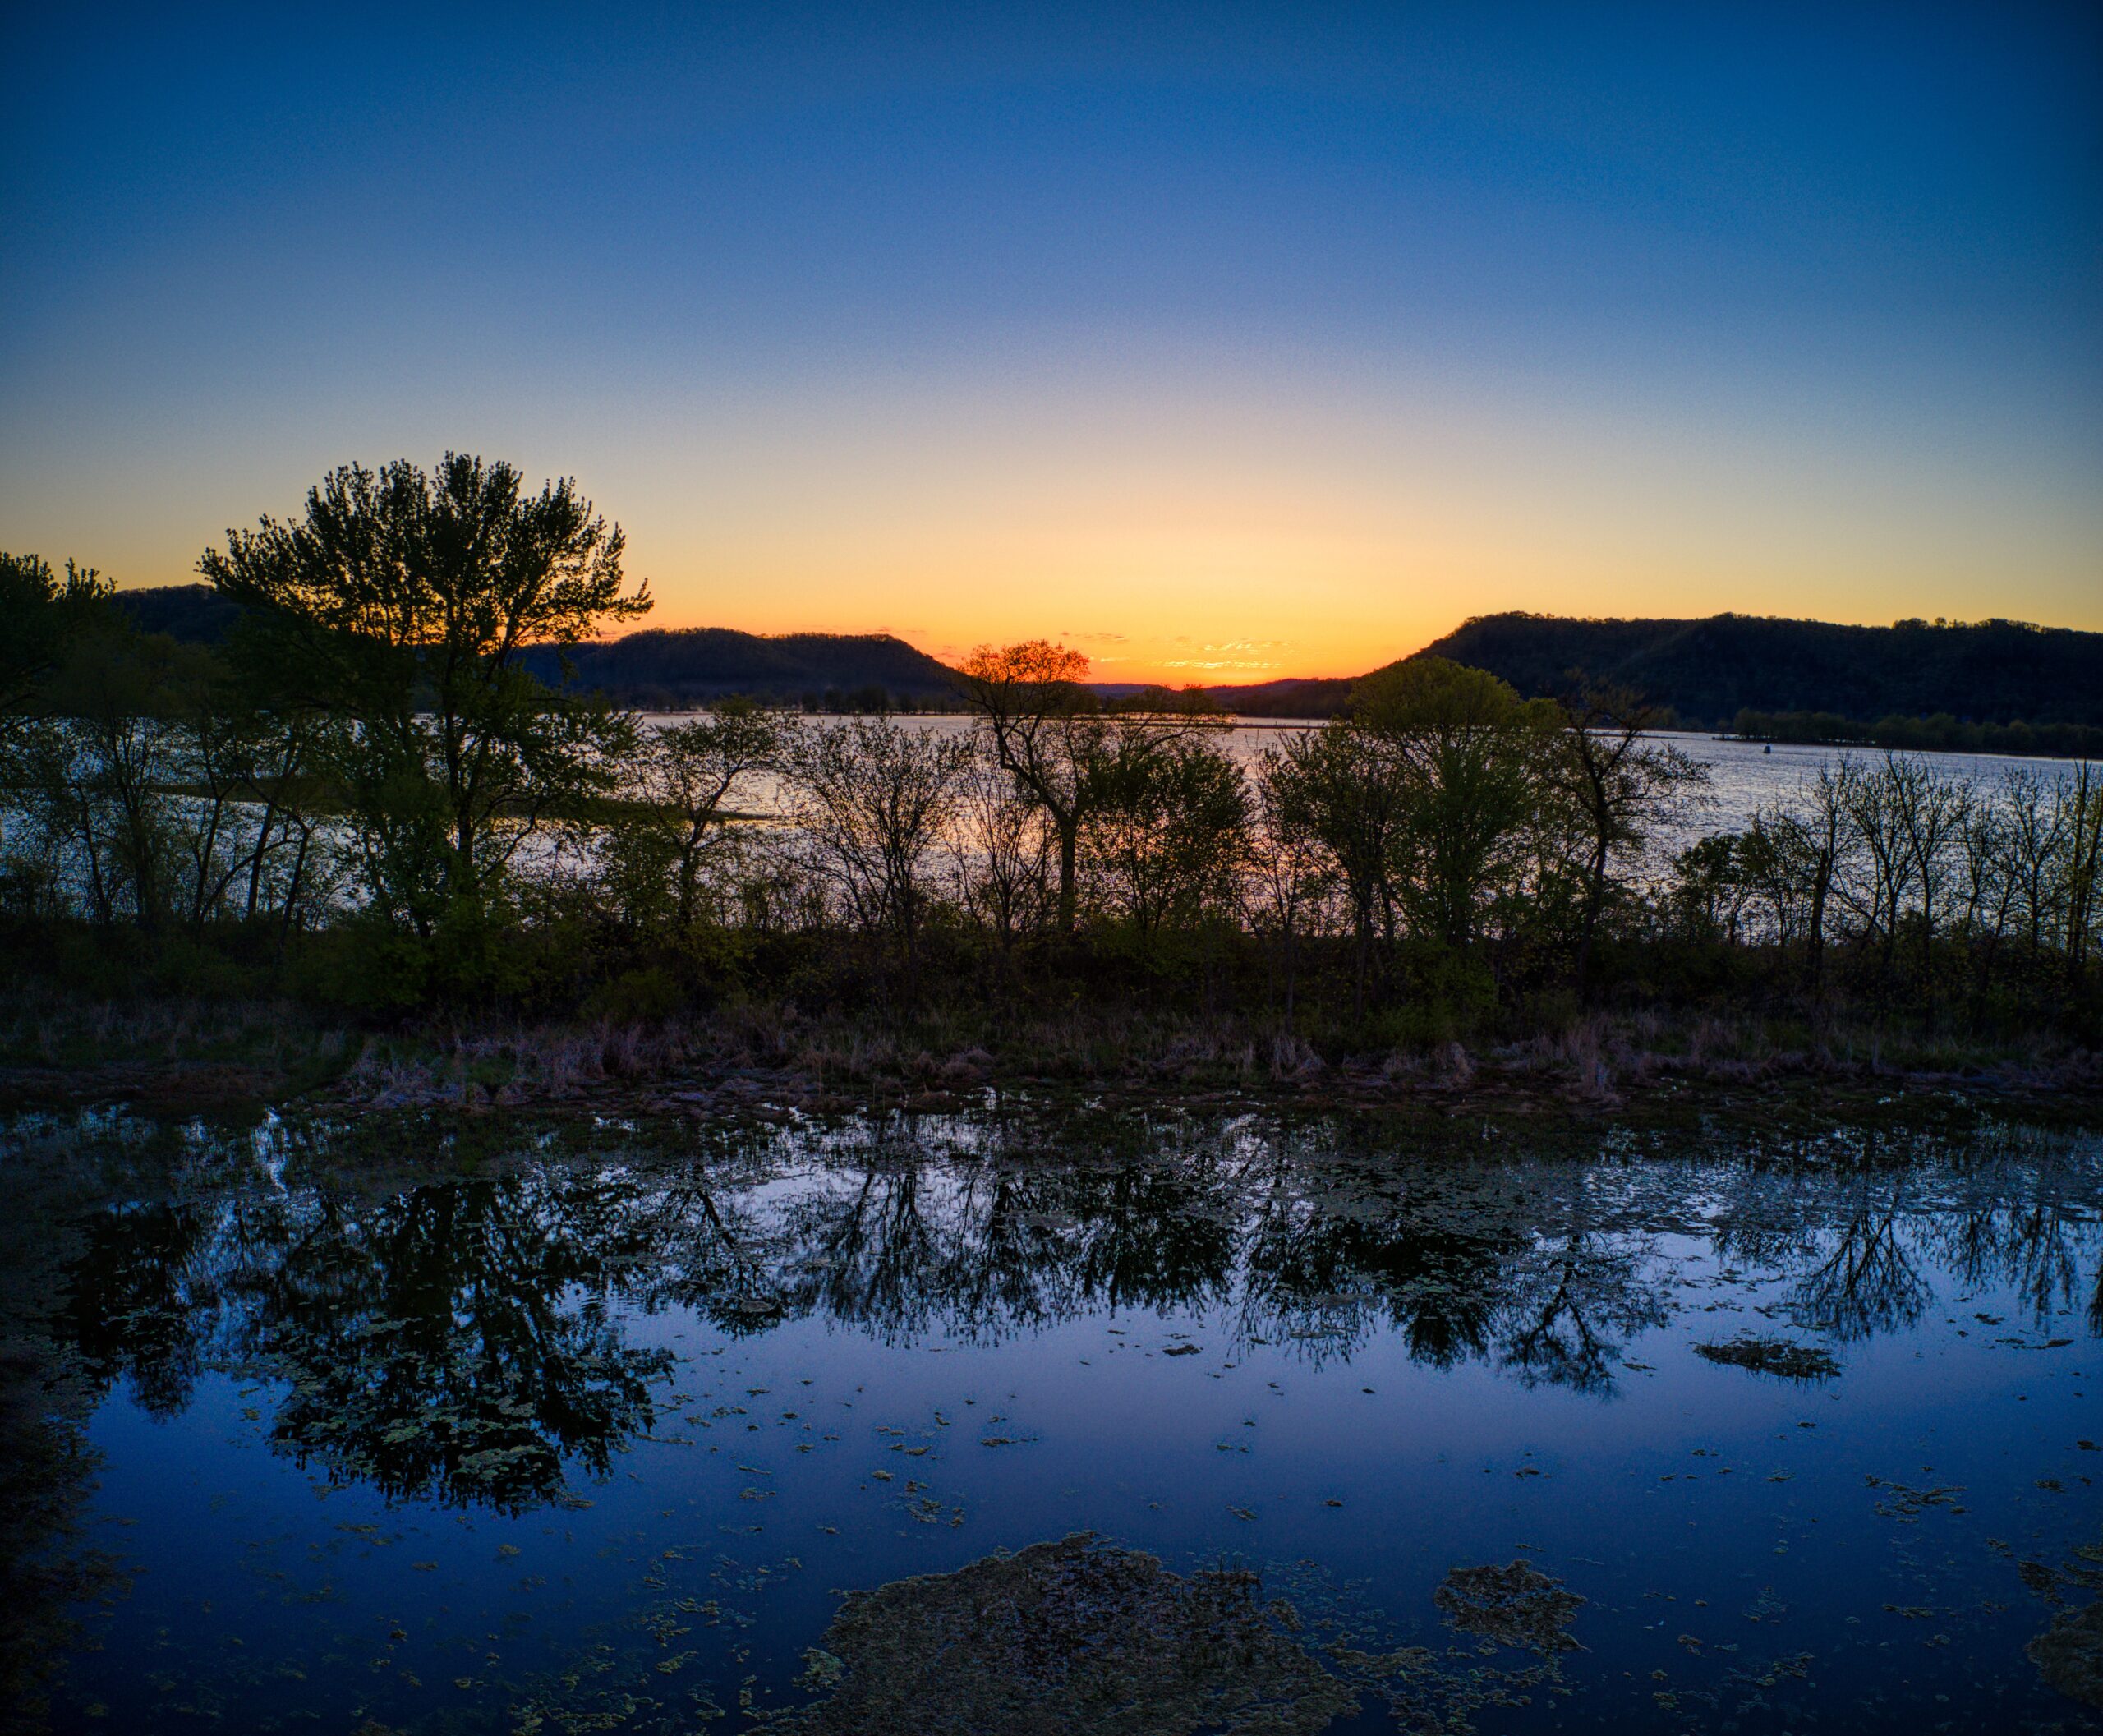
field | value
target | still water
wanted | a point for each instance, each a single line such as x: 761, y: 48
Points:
x: 1030, y: 1421
x: 1744, y: 776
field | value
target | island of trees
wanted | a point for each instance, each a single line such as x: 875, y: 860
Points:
x: 382, y: 791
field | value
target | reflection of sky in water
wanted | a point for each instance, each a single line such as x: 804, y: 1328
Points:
x: 1474, y: 1359
x: 1742, y: 776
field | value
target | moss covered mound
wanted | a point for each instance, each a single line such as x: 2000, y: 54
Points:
x: 1515, y: 1605
x: 1071, y: 1638
x: 2069, y: 1653
x: 1780, y: 1357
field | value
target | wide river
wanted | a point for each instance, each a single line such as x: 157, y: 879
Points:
x: 1056, y: 1421
x: 1742, y: 774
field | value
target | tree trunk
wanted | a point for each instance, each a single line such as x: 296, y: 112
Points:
x: 1069, y: 848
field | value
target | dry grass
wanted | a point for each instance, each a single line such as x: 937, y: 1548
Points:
x: 54, y: 1046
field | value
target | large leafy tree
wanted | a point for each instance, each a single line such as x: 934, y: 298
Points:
x: 1341, y: 787
x: 44, y: 614
x: 1051, y: 734
x: 1468, y: 752
x: 1047, y: 733
x: 1171, y: 832
x: 398, y: 606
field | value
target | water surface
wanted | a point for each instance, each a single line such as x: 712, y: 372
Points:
x: 412, y: 1427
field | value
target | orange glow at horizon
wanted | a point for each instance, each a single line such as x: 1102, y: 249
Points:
x: 1313, y: 517
x: 1219, y: 525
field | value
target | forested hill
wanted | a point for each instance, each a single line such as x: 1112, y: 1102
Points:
x: 1993, y: 672
x: 683, y: 666
x: 1708, y: 670
x: 654, y: 667
x: 196, y: 615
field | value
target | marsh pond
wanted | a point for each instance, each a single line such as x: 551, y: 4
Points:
x: 1038, y: 1420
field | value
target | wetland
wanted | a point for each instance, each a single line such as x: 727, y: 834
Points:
x: 1042, y: 1417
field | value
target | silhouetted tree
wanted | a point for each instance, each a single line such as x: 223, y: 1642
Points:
x: 398, y: 607
x: 1616, y: 784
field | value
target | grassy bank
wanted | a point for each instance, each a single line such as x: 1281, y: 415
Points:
x: 171, y: 1054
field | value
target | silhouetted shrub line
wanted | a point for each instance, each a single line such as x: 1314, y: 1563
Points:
x: 1941, y: 734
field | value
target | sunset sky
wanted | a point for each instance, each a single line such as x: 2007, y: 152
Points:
x: 1224, y: 342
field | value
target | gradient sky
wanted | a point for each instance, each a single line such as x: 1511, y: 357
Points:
x: 1224, y: 343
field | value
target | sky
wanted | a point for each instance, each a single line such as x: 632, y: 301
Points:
x: 1222, y: 343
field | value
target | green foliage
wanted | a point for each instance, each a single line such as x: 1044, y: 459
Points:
x: 874, y: 799
x: 44, y: 616
x: 1169, y: 835
x: 670, y: 857
x: 1439, y: 995
x: 1468, y: 755
x: 647, y: 996
x: 1941, y: 733
x: 398, y: 610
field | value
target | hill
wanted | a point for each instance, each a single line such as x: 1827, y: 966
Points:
x: 1304, y: 696
x: 688, y: 665
x: 196, y: 615
x: 655, y: 667
x: 1708, y: 670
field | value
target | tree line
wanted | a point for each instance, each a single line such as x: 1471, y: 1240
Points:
x: 369, y: 795
x: 1939, y: 734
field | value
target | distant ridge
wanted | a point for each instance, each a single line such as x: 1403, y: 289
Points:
x: 196, y: 615
x: 675, y: 668
x: 1709, y: 669
x: 684, y: 666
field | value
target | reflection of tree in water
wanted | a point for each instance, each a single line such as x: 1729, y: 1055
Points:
x: 50, y: 1569
x: 452, y: 1342
x: 1861, y: 1280
x: 2010, y: 1207
x: 1842, y: 1239
x: 1573, y: 1299
x: 1322, y: 1265
x: 2021, y: 1229
x: 143, y: 1299
x: 713, y: 1254
x: 1148, y: 1237
x: 978, y: 1248
x: 456, y: 1342
x: 459, y: 1340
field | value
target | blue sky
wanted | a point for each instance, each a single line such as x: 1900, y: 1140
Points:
x: 1171, y: 330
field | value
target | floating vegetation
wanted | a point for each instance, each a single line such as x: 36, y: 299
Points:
x: 1905, y: 1504
x: 1781, y: 1357
x: 1077, y: 1638
x: 1515, y: 1605
x: 2069, y: 1653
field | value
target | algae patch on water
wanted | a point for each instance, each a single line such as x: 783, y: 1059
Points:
x: 1515, y: 1605
x: 1781, y: 1357
x: 1077, y: 1638
x: 2069, y: 1653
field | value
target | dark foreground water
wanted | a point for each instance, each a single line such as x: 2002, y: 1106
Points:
x: 1035, y: 1424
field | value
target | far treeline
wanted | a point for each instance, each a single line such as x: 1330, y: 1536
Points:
x: 368, y: 796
